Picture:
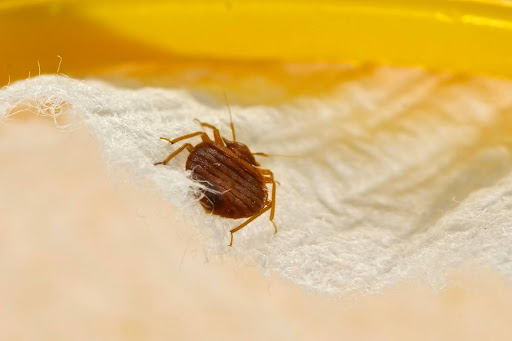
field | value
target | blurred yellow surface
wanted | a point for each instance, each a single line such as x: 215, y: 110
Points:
x: 94, y: 36
x: 473, y: 36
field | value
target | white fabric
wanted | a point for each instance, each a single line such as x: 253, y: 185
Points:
x: 402, y: 173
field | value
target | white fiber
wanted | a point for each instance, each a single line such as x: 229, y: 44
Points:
x: 402, y: 173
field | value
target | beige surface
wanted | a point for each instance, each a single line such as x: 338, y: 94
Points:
x: 85, y: 258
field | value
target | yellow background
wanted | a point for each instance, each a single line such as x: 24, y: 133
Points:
x: 238, y: 36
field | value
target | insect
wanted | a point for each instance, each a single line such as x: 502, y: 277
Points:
x: 236, y: 185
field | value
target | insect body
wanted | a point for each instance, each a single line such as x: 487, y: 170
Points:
x: 236, y: 187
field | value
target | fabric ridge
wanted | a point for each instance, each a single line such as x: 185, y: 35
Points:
x: 400, y: 174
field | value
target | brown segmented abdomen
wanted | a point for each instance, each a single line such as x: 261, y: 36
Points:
x: 238, y: 189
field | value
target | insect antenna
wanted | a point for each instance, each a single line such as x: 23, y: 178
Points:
x: 271, y: 155
x: 230, y: 116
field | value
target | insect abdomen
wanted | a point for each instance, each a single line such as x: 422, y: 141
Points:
x: 237, y: 188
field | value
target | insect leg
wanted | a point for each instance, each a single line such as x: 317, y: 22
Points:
x: 271, y: 180
x: 279, y: 155
x: 204, y: 136
x: 216, y: 133
x: 265, y: 209
x: 267, y: 172
x: 176, y: 152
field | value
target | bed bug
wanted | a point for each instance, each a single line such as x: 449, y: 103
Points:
x: 235, y: 184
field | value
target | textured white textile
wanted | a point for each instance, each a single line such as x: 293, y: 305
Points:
x: 402, y: 173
